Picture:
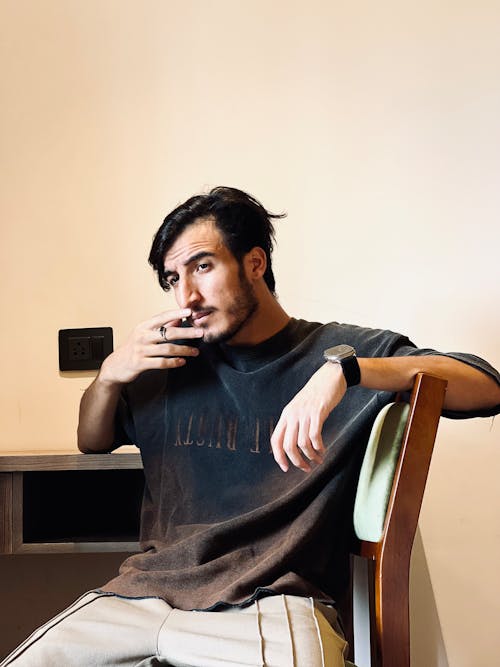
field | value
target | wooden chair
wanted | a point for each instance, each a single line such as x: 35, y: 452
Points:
x: 388, y: 502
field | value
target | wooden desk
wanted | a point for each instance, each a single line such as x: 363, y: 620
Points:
x: 66, y: 502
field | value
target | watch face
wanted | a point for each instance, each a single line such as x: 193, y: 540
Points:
x: 340, y: 352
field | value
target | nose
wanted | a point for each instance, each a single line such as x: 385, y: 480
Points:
x: 187, y: 294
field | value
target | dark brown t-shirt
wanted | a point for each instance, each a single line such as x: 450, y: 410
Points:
x: 221, y: 523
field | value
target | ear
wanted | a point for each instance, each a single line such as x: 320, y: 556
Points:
x: 255, y: 263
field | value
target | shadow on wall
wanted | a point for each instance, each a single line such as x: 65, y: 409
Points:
x: 36, y: 587
x: 427, y: 643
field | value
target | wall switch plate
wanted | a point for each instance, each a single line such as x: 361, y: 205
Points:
x: 84, y: 349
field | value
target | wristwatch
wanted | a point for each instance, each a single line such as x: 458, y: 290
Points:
x: 345, y: 355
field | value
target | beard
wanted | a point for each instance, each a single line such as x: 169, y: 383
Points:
x: 239, y: 312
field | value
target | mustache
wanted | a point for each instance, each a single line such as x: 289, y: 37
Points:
x: 196, y: 310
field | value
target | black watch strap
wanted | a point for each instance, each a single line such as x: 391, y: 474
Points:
x: 351, y: 371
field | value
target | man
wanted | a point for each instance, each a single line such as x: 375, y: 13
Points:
x: 252, y: 427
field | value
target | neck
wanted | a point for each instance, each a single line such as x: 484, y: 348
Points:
x: 268, y: 318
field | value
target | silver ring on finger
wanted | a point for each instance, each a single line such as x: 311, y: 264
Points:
x: 163, y: 333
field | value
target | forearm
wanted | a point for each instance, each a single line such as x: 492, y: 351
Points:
x: 468, y: 388
x: 96, y: 421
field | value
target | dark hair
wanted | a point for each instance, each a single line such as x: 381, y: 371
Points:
x: 242, y: 221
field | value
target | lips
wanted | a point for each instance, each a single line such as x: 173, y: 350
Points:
x: 200, y: 316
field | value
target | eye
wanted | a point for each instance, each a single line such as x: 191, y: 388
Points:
x: 202, y: 267
x: 173, y: 280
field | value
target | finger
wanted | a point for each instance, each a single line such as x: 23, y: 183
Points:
x: 176, y: 333
x: 161, y: 363
x: 170, y: 350
x: 292, y: 449
x: 317, y: 438
x: 277, y: 446
x: 305, y: 444
x: 168, y: 317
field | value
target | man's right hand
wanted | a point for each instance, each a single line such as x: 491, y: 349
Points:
x: 147, y: 348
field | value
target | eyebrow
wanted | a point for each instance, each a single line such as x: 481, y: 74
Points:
x: 193, y: 258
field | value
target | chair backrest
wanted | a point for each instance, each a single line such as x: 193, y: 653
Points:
x: 388, y: 501
x: 377, y: 471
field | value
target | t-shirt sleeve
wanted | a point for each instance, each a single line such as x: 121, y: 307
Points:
x: 406, y: 350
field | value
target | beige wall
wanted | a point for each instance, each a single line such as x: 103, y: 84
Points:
x: 375, y: 125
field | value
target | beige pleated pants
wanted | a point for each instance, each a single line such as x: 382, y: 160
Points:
x: 105, y: 629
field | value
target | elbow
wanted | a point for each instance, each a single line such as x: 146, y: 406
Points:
x: 484, y: 396
x: 491, y: 394
x: 86, y: 450
x: 88, y: 445
x: 94, y: 450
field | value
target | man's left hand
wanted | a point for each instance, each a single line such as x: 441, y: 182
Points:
x: 297, y: 436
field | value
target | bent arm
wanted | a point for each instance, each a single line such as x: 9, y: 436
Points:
x: 468, y: 388
x: 297, y: 436
x: 147, y: 348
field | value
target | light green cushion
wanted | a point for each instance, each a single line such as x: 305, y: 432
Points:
x: 377, y: 471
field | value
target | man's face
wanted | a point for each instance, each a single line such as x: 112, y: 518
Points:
x: 206, y: 277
